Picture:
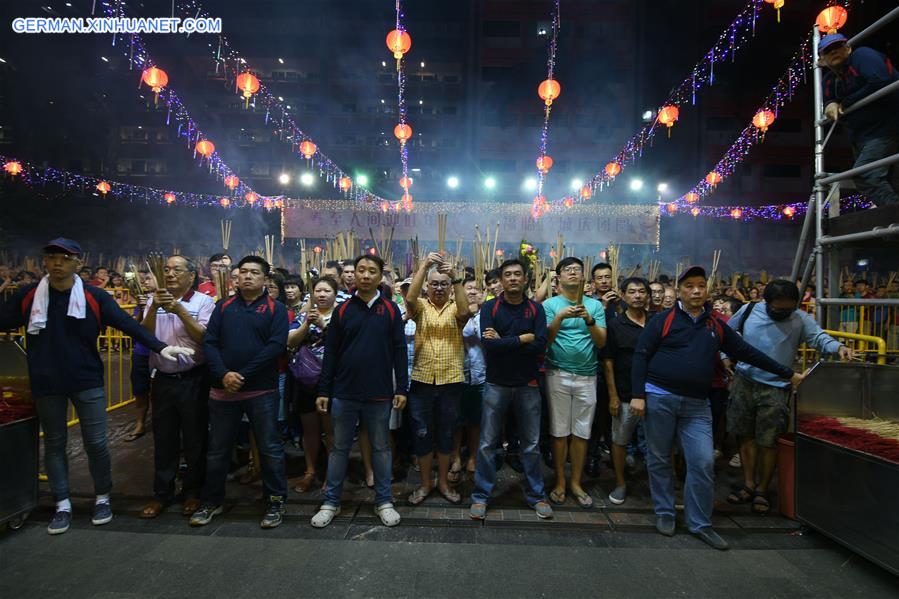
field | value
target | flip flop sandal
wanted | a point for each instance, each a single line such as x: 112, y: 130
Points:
x: 452, y: 496
x: 584, y: 500
x: 131, y: 437
x: 740, y: 496
x: 760, y: 504
x: 152, y: 510
x: 305, y: 483
x: 557, y: 497
x: 454, y: 476
x: 418, y: 495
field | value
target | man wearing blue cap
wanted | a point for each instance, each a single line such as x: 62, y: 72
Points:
x: 63, y: 317
x: 854, y: 74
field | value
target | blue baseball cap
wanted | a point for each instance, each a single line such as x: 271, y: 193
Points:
x: 830, y: 40
x: 693, y: 271
x: 67, y: 246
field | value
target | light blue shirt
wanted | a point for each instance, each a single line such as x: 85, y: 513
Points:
x: 573, y: 349
x: 475, y: 366
x: 779, y: 340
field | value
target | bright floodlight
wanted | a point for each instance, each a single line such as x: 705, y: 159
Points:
x: 530, y: 184
x: 662, y: 187
x: 636, y: 184
x: 307, y: 179
x: 452, y: 182
x: 647, y: 115
x: 284, y: 179
x: 362, y: 180
x: 576, y: 184
x: 490, y: 183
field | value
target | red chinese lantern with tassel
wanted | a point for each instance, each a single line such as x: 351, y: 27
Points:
x: 345, y: 184
x: 668, y: 116
x: 268, y: 204
x: 248, y: 84
x: 694, y: 211
x: 251, y: 197
x: 169, y: 198
x: 225, y: 202
x: 549, y: 90
x: 736, y: 213
x: 156, y: 79
x: 317, y: 249
x: 612, y: 169
x: 231, y: 182
x: 406, y: 202
x: 406, y: 182
x: 13, y: 167
x: 307, y: 149
x: 544, y: 163
x: 385, y: 206
x: 778, y: 4
x: 672, y: 208
x: 402, y: 132
x: 279, y: 204
x: 586, y: 192
x: 399, y: 42
x: 713, y: 178
x: 103, y: 187
x: 568, y: 202
x: 763, y: 119
x: 789, y: 211
x: 831, y: 19
x: 691, y: 197
x: 205, y: 148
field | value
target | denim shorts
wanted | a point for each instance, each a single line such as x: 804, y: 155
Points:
x: 624, y: 424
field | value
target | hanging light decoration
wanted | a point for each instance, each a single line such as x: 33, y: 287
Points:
x: 694, y: 211
x: 406, y: 202
x: 831, y: 19
x: 406, y: 183
x: 713, y: 178
x: 385, y: 206
x: 156, y: 79
x: 544, y: 163
x: 736, y: 213
x: 691, y: 197
x: 586, y: 192
x: 668, y: 116
x: 13, y: 167
x: 231, y: 182
x: 345, y: 184
x: 268, y: 204
x: 399, y: 42
x: 169, y: 198
x: 225, y: 202
x: 789, y: 211
x: 612, y: 169
x: 672, y: 208
x: 251, y: 197
x: 762, y: 120
x: 247, y: 83
x: 778, y: 4
x: 307, y: 149
x: 103, y: 187
x: 568, y: 201
x: 549, y: 90
x: 204, y: 148
x: 403, y: 132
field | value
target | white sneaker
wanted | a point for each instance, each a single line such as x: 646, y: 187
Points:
x: 325, y: 514
x: 735, y: 462
x: 388, y: 515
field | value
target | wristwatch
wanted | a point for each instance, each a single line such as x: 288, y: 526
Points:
x: 591, y: 323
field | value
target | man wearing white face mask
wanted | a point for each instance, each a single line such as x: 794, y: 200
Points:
x: 64, y: 318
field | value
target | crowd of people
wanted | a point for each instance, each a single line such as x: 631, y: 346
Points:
x: 468, y: 367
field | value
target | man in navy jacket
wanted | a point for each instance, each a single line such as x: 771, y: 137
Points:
x: 246, y: 335
x: 672, y: 373
x: 64, y: 317
x: 365, y: 367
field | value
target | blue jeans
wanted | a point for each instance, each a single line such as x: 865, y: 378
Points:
x: 525, y: 404
x: 344, y: 416
x: 224, y: 422
x: 90, y: 406
x: 691, y: 421
x: 880, y: 187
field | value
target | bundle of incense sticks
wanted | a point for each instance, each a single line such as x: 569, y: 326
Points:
x: 269, y: 248
x: 654, y: 267
x: 891, y: 278
x: 119, y: 265
x: 763, y: 276
x: 132, y: 281
x: 176, y: 251
x: 735, y: 280
x: 458, y: 257
x: 539, y: 271
x: 441, y: 233
x: 634, y: 271
x: 612, y: 256
x: 416, y: 255
x: 226, y: 233
x: 588, y: 268
x: 716, y: 256
x: 156, y: 265
x: 219, y: 279
x: 559, y: 249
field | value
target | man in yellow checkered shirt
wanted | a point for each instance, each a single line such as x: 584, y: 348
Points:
x: 436, y: 389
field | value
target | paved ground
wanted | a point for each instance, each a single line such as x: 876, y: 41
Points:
x: 437, y: 551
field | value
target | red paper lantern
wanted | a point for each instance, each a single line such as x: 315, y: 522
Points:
x: 385, y: 206
x: 402, y: 132
x: 789, y: 211
x: 691, y: 197
x: 399, y: 42
x: 568, y: 202
x: 763, y: 119
x: 251, y: 197
x: 668, y: 116
x: 586, y: 192
x: 398, y: 206
x: 155, y: 78
x: 279, y: 204
x: 231, y: 182
x: 248, y: 84
x: 13, y: 167
x: 713, y: 178
x: 205, y: 148
x: 225, y: 202
x: 549, y: 90
x: 169, y: 198
x: 406, y: 202
x: 499, y: 253
x: 544, y: 163
x: 736, y: 213
x: 307, y: 149
x: 612, y: 169
x: 317, y: 249
x: 831, y: 19
x: 372, y: 252
x: 345, y: 184
x: 103, y: 187
x: 406, y: 182
x: 778, y: 4
x: 694, y: 211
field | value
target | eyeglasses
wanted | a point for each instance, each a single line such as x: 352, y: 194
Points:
x: 174, y: 271
x: 573, y: 270
x: 439, y: 284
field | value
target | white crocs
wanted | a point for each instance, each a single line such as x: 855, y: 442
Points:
x: 325, y: 514
x: 388, y: 515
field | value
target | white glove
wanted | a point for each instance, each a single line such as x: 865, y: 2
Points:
x: 172, y: 352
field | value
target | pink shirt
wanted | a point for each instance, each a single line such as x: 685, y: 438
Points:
x: 170, y: 330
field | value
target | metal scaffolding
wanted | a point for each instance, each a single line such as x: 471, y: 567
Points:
x: 826, y: 194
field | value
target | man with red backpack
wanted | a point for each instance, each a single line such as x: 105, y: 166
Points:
x: 64, y: 317
x: 674, y: 364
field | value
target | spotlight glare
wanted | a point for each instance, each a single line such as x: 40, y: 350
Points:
x: 662, y: 187
x: 530, y: 184
x: 490, y: 183
x: 362, y: 180
x: 452, y: 182
x: 576, y: 184
x: 307, y: 179
x: 283, y: 178
x: 636, y: 184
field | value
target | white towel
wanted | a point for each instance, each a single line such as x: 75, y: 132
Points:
x: 38, y: 319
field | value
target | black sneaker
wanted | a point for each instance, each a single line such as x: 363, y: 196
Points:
x: 205, y: 514
x: 102, y: 513
x: 274, y: 515
x: 60, y: 522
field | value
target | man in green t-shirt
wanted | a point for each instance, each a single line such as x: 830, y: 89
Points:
x: 577, y: 330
